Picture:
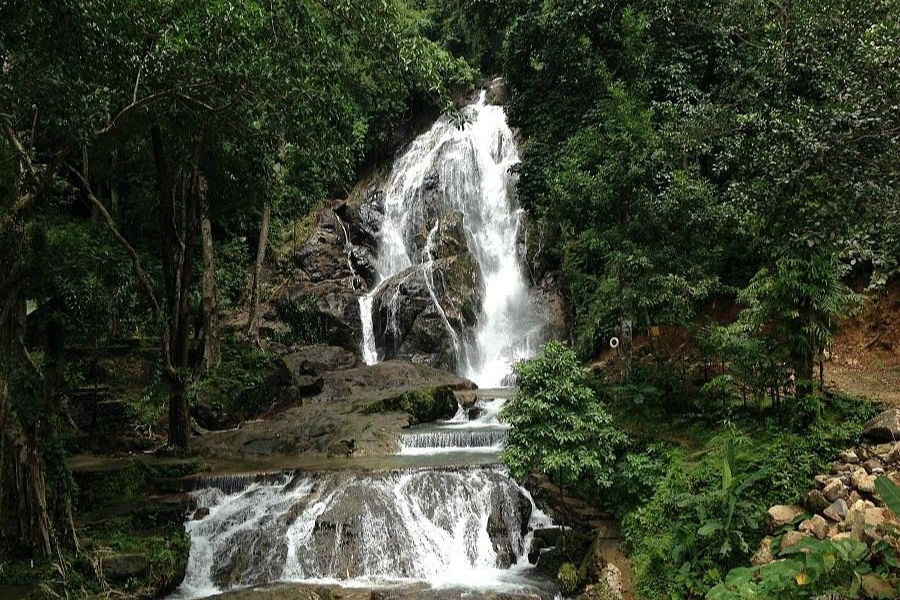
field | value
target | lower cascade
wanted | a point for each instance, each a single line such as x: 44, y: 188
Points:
x: 447, y: 528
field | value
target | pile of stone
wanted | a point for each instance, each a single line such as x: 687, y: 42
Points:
x: 844, y: 504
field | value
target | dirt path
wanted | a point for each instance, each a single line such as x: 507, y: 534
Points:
x: 865, y: 358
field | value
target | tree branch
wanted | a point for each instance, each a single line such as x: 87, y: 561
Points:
x: 27, y: 199
x: 143, y: 277
x: 136, y: 105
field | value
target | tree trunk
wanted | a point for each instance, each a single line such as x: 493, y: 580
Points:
x: 212, y: 352
x: 176, y: 254
x: 25, y: 522
x: 253, y: 319
x: 802, y: 363
x: 23, y: 492
x: 114, y: 185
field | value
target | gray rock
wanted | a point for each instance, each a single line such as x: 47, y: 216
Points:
x: 548, y: 295
x: 386, y: 378
x: 315, y: 360
x: 884, y: 427
x: 873, y: 464
x: 449, y: 239
x: 366, y: 406
x: 325, y: 274
x: 781, y: 515
x: 894, y: 455
x: 325, y: 311
x: 834, y: 489
x: 858, y: 476
x: 867, y: 484
x: 497, y: 92
x: 849, y: 456
x: 791, y: 538
x: 815, y: 501
x: 816, y: 526
x: 410, y: 325
x: 837, y: 511
x: 122, y: 567
x: 763, y: 554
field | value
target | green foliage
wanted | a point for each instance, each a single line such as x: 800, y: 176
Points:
x: 684, y: 147
x: 638, y: 472
x: 724, y: 518
x: 567, y: 579
x: 559, y: 426
x: 308, y: 324
x: 795, y: 307
x: 236, y: 384
x: 810, y: 569
x: 423, y: 405
x: 889, y: 492
x: 694, y: 526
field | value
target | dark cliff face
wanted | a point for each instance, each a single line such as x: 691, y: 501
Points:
x: 320, y: 282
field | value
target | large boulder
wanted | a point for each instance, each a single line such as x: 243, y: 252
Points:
x: 781, y: 515
x: 535, y: 245
x: 369, y: 381
x: 360, y: 411
x: 884, y: 427
x: 217, y: 407
x: 316, y: 360
x: 423, y: 313
x: 547, y: 295
x: 122, y: 567
x: 449, y: 237
x: 497, y: 92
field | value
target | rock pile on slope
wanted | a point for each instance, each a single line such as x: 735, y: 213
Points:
x: 844, y: 504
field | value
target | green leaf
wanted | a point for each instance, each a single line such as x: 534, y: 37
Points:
x: 709, y: 528
x: 728, y: 467
x: 889, y: 492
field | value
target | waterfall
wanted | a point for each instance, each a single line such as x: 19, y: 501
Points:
x: 490, y: 439
x: 448, y: 528
x: 468, y: 170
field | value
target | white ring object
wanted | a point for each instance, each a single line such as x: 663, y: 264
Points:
x: 614, y: 342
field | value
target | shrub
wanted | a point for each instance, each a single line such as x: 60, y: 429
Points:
x: 567, y: 578
x: 559, y: 425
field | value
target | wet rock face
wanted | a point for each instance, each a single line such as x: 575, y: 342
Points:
x: 315, y: 360
x: 364, y: 405
x: 424, y: 313
x: 327, y: 274
x: 535, y: 240
x: 421, y: 314
x: 498, y: 92
x: 449, y: 238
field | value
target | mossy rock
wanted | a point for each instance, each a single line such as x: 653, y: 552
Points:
x: 422, y: 404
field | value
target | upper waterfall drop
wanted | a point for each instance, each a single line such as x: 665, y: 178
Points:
x: 466, y: 170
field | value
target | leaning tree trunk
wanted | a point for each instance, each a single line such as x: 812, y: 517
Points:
x: 253, y: 330
x: 212, y: 350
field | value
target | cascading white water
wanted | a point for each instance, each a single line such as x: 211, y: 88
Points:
x: 447, y: 528
x: 471, y: 167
